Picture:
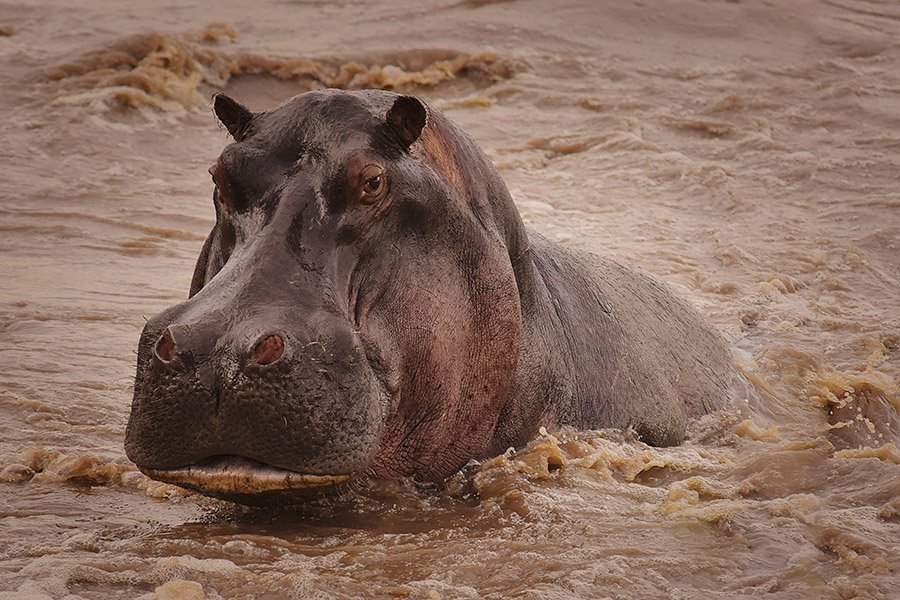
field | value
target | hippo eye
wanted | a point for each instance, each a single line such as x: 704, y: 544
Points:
x: 373, y: 186
x: 374, y: 181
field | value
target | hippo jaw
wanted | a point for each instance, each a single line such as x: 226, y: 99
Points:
x: 232, y: 476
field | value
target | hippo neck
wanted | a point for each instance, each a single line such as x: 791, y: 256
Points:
x: 564, y: 319
x: 446, y: 147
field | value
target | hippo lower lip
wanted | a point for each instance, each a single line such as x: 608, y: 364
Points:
x: 240, y: 475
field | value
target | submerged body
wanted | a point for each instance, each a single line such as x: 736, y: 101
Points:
x: 611, y: 346
x: 370, y: 302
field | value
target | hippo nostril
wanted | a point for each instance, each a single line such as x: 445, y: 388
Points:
x: 165, y: 347
x: 268, y: 350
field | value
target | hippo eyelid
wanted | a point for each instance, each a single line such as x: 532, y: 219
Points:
x: 369, y: 171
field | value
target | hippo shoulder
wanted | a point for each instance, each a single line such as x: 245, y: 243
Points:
x: 640, y: 355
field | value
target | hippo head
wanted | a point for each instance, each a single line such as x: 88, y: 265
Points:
x: 355, y: 310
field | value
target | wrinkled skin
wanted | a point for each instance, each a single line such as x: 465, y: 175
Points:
x: 370, y: 303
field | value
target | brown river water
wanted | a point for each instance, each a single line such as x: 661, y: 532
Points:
x: 748, y: 153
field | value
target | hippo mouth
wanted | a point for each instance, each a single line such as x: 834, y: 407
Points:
x: 230, y: 475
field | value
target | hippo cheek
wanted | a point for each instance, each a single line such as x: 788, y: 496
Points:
x: 301, y: 418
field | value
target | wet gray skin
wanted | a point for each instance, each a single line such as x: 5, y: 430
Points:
x: 369, y: 303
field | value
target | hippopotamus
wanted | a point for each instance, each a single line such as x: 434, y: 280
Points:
x: 369, y: 304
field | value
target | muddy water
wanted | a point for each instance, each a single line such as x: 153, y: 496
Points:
x: 747, y: 153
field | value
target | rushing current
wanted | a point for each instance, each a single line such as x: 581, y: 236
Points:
x: 748, y: 153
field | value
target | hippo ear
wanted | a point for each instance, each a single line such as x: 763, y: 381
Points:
x: 233, y: 115
x: 406, y: 118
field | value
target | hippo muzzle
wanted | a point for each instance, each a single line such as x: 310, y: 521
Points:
x: 240, y: 391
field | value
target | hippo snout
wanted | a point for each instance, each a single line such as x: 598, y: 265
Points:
x: 252, y: 399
